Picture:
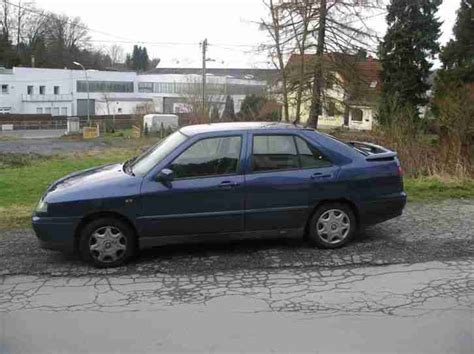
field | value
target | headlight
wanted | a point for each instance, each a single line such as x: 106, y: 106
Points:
x: 42, y: 207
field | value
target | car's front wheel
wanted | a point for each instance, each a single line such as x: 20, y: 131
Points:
x: 107, y: 242
x: 332, y: 225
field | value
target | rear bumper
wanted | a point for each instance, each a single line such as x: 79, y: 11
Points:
x: 55, y: 233
x: 382, y: 209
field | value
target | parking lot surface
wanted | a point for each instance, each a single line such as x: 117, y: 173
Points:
x: 406, y: 285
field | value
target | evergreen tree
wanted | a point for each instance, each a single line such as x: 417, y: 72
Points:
x: 410, y: 41
x: 139, y: 60
x: 8, y: 55
x: 228, y: 114
x: 251, y: 106
x: 458, y: 54
x: 215, y: 114
x: 453, y: 100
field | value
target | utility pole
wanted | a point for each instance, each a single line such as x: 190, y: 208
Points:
x: 204, y: 50
x: 88, y: 98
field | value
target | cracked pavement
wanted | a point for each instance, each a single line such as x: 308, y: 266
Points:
x: 406, y: 285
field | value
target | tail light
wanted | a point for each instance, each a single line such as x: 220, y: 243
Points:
x: 400, y: 171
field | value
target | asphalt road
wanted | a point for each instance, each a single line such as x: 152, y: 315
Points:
x: 406, y: 285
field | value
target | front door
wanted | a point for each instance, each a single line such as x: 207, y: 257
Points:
x: 206, y: 195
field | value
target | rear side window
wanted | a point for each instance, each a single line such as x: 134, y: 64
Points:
x: 310, y: 157
x: 209, y: 157
x: 284, y: 152
x: 274, y: 152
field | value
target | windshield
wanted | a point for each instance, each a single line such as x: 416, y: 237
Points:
x: 150, y: 158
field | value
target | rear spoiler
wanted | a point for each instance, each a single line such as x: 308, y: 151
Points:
x: 373, y: 152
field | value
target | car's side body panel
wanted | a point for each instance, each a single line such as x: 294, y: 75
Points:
x: 238, y: 204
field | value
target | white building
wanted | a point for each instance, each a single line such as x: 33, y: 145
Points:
x: 64, y: 92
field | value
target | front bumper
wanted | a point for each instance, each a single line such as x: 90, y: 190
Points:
x: 55, y: 233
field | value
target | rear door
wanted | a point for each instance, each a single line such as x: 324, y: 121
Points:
x: 285, y: 173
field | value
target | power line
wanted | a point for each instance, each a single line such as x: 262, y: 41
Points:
x: 49, y: 15
x: 120, y: 39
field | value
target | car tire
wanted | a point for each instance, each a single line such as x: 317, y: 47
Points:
x: 332, y: 226
x: 107, y: 242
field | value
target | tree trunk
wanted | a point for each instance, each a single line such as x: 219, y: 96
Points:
x: 316, y: 101
x: 281, y: 63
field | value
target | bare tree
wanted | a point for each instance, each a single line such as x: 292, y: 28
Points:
x: 116, y: 54
x: 5, y: 20
x: 278, y: 47
x: 325, y: 29
x: 341, y: 28
x: 300, y: 16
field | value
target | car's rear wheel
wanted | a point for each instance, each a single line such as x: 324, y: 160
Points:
x: 107, y: 242
x: 333, y: 225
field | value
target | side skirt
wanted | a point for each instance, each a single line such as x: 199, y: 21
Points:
x: 147, y: 242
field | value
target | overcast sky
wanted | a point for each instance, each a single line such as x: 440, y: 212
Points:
x: 172, y: 29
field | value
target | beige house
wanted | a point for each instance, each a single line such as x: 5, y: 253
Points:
x: 352, y: 86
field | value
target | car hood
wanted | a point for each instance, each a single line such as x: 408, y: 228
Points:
x: 97, y: 182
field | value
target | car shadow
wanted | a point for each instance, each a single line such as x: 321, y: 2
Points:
x: 234, y: 247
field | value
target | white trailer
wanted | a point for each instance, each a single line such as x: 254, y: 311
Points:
x: 154, y: 122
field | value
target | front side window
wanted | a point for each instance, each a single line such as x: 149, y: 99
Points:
x: 29, y: 90
x: 5, y: 89
x: 42, y: 90
x: 274, y: 152
x: 310, y: 157
x: 209, y: 157
x: 56, y: 90
x: 150, y: 158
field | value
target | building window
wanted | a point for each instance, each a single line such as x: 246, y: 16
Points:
x: 119, y: 110
x: 42, y: 90
x: 29, y: 89
x: 145, y: 87
x: 39, y: 110
x: 64, y: 111
x: 56, y: 90
x: 47, y: 110
x: 105, y: 86
x: 356, y: 115
x: 56, y: 111
x: 4, y: 89
x: 331, y: 109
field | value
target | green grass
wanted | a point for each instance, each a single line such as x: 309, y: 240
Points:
x: 435, y: 188
x: 21, y: 186
x: 23, y: 179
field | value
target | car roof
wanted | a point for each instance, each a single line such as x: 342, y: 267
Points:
x: 191, y: 130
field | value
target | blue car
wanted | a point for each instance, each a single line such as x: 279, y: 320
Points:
x: 222, y: 180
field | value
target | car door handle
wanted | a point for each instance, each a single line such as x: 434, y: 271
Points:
x: 319, y: 175
x: 228, y: 184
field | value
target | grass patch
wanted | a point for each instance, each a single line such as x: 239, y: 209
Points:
x: 22, y: 185
x: 23, y: 179
x: 437, y: 188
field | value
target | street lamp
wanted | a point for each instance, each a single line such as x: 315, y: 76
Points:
x: 87, y: 83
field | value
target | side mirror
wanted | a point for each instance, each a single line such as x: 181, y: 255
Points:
x: 166, y: 175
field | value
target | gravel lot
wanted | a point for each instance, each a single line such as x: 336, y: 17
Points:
x: 426, y: 232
